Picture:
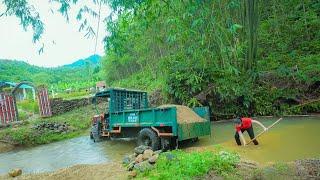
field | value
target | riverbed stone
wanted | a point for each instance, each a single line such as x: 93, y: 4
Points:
x: 128, y: 158
x: 147, y: 154
x: 139, y: 158
x: 157, y: 152
x: 143, y: 166
x: 15, y: 172
x: 131, y: 166
x: 141, y: 149
x: 153, y: 159
x: 132, y: 174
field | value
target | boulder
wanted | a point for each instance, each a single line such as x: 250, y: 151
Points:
x: 141, y: 149
x: 143, y: 166
x: 132, y: 174
x: 147, y: 154
x: 128, y: 158
x: 153, y: 159
x: 131, y: 166
x: 157, y: 152
x: 139, y: 158
x: 15, y: 172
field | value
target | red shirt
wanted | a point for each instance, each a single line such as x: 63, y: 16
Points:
x: 245, y: 124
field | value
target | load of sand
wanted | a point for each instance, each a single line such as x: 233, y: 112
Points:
x: 184, y: 114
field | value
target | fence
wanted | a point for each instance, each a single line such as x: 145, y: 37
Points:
x: 8, y: 111
x: 44, y: 103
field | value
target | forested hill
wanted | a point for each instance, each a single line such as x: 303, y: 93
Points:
x: 80, y: 74
x: 237, y: 56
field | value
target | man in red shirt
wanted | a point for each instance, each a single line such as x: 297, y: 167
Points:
x: 245, y: 124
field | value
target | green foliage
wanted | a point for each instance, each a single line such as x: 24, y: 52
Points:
x: 188, y: 165
x: 253, y: 67
x: 28, y: 106
x: 73, y: 95
x: 79, y: 121
x: 77, y: 76
x: 23, y: 115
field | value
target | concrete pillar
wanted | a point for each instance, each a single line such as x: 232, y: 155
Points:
x: 24, y: 94
x: 34, y: 94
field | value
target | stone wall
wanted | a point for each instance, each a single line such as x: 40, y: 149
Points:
x: 60, y: 106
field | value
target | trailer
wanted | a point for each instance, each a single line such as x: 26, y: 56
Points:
x: 128, y: 115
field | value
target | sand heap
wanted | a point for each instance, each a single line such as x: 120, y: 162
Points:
x: 184, y: 114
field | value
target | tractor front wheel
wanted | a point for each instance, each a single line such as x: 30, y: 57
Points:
x: 149, y: 138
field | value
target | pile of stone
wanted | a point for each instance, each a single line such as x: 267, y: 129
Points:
x: 142, y: 160
x: 53, y: 127
x: 308, y: 168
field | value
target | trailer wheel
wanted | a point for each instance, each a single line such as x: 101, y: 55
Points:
x: 150, y: 138
x: 95, y: 132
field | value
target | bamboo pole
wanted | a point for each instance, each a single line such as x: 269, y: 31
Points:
x: 264, y: 131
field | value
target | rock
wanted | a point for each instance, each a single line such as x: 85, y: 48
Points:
x: 147, y: 154
x: 153, y: 158
x: 128, y: 158
x: 132, y: 174
x: 15, y: 172
x: 130, y: 166
x: 170, y: 156
x: 139, y: 158
x: 143, y: 166
x: 157, y: 152
x: 141, y: 149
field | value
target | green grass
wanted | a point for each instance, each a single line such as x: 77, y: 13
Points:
x: 78, y: 119
x: 72, y: 95
x: 28, y: 106
x: 183, y: 165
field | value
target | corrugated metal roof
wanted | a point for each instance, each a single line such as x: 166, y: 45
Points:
x: 24, y: 86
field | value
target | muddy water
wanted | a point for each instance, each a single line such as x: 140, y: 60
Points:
x: 291, y: 139
x: 63, y: 154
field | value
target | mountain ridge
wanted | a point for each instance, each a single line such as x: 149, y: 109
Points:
x: 81, y: 73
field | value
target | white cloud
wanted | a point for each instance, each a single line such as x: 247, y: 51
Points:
x: 63, y: 44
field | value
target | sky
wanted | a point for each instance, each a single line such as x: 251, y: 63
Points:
x: 63, y: 43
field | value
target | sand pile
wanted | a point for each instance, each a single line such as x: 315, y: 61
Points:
x: 184, y: 114
x: 78, y: 172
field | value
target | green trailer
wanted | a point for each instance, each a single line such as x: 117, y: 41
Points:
x: 128, y: 115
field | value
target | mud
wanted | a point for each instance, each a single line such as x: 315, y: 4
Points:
x: 6, y: 147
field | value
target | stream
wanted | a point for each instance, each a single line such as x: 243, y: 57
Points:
x: 291, y: 139
x: 49, y: 157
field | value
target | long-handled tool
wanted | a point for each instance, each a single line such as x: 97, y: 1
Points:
x: 264, y: 131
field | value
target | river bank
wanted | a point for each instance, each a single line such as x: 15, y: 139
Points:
x: 98, y: 171
x: 197, y: 164
x: 39, y: 131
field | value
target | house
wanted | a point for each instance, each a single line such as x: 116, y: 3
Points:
x: 22, y: 91
x: 100, y: 86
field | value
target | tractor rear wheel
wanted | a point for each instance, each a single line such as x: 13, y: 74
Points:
x: 95, y: 133
x: 149, y: 138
